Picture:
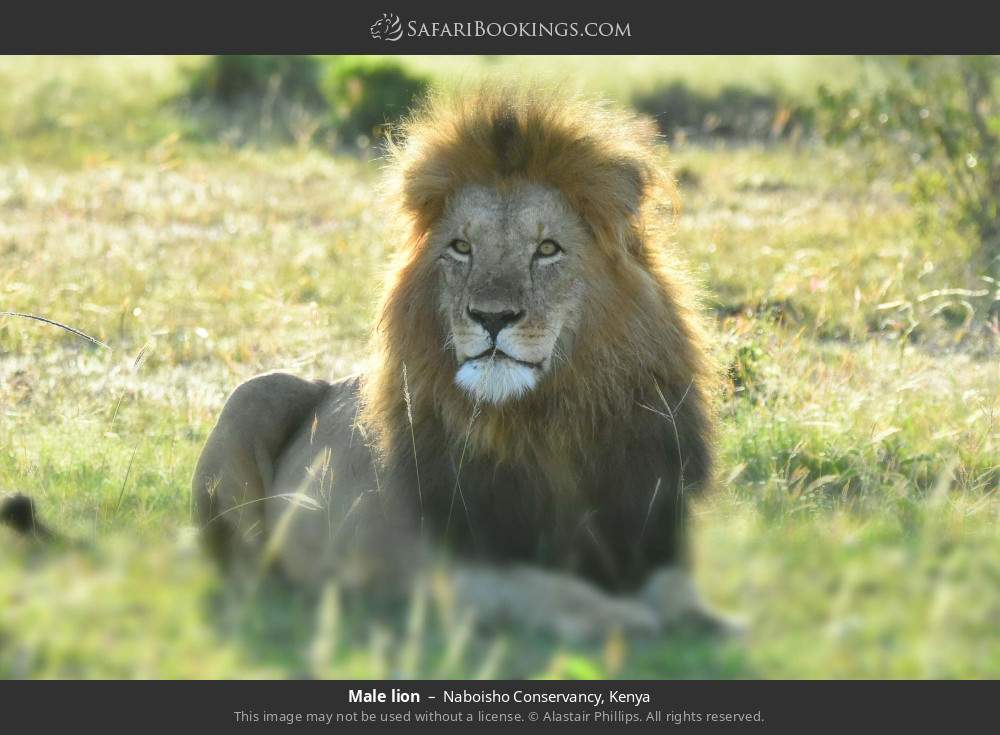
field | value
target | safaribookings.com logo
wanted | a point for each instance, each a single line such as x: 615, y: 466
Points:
x: 387, y: 28
x: 390, y: 28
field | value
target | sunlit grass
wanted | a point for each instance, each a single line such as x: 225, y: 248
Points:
x: 855, y: 524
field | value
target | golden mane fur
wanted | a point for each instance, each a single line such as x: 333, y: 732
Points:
x: 641, y: 342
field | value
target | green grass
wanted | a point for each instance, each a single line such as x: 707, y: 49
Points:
x: 855, y: 526
x: 623, y: 76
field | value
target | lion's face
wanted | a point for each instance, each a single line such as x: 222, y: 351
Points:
x: 512, y: 285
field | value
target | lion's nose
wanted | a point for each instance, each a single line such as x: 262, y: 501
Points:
x: 494, y: 321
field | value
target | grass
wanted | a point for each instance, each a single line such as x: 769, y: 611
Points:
x: 855, y: 526
x: 622, y: 77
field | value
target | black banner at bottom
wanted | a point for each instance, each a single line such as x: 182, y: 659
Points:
x: 232, y: 706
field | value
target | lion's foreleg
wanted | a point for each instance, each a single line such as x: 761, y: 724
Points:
x: 536, y: 599
x: 670, y: 593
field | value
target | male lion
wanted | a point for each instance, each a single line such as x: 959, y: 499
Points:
x: 538, y: 404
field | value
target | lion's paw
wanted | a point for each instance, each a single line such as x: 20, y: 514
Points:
x: 671, y: 594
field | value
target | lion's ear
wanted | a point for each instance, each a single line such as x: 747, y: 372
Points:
x: 635, y: 191
x: 424, y: 189
x: 640, y: 186
x: 611, y: 200
x: 632, y: 184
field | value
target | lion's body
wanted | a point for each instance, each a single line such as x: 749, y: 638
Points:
x: 581, y: 459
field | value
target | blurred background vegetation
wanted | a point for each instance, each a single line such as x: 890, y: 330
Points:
x: 211, y: 218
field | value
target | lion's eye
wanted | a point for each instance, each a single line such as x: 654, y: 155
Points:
x: 547, y: 249
x: 460, y: 246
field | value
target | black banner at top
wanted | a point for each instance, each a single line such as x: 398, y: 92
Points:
x: 440, y: 27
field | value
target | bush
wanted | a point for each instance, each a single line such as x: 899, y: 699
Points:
x: 227, y: 79
x: 365, y: 95
x: 939, y: 118
x: 263, y: 98
x: 733, y: 112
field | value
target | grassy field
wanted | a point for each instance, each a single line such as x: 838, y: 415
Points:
x: 856, y: 522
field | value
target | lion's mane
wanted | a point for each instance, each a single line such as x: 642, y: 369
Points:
x: 637, y: 386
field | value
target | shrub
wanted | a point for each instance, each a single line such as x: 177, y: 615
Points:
x: 365, y: 95
x: 227, y: 79
x: 938, y: 118
x: 733, y: 112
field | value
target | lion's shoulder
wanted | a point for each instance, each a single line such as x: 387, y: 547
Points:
x: 268, y: 407
x: 274, y: 389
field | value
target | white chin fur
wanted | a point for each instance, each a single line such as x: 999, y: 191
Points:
x: 495, y: 381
